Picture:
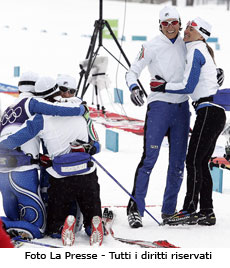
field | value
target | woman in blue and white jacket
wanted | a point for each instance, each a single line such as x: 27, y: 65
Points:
x: 200, y: 83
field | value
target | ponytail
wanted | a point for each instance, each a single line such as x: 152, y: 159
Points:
x: 210, y: 50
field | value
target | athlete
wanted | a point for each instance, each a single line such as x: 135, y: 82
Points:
x: 200, y: 83
x: 19, y: 184
x: 167, y: 114
x: 73, y: 175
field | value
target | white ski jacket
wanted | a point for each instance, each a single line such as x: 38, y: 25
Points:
x: 199, y: 79
x: 163, y: 58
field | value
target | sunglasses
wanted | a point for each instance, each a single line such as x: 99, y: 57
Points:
x: 192, y: 23
x: 65, y: 89
x: 167, y: 23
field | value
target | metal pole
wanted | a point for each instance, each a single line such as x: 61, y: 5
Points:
x: 122, y: 187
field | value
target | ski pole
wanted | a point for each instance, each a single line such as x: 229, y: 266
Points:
x: 19, y: 238
x: 123, y: 188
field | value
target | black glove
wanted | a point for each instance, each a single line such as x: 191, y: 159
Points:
x: 220, y: 76
x: 158, y: 84
x: 82, y: 146
x: 137, y: 96
x: 45, y: 161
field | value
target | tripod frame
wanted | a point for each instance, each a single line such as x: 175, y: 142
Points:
x: 92, y: 52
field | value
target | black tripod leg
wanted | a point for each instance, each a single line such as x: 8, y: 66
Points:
x: 116, y: 41
x: 122, y: 52
x: 96, y: 93
x: 91, y: 46
x: 92, y: 40
x: 90, y: 55
x: 79, y: 83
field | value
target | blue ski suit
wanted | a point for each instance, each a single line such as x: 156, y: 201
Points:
x: 167, y: 114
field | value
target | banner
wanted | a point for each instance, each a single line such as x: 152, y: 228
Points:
x: 9, y: 89
x: 114, y: 26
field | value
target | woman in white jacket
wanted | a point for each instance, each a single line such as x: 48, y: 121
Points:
x: 200, y: 83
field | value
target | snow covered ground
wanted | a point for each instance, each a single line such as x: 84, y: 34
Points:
x: 50, y: 37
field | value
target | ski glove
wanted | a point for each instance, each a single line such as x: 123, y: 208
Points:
x: 80, y: 146
x: 45, y: 161
x: 220, y: 76
x: 136, y: 95
x: 157, y: 84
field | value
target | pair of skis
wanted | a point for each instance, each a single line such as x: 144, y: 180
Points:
x: 108, y: 219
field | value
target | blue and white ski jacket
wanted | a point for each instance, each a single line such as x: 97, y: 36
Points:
x: 199, y: 79
x: 24, y: 108
x: 56, y: 132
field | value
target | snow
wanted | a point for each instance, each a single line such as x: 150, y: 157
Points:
x: 50, y: 37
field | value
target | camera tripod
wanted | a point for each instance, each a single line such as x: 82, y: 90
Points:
x: 93, y: 51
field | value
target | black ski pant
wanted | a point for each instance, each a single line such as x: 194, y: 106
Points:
x: 64, y: 191
x: 209, y: 123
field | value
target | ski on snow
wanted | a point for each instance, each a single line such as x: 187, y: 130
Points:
x: 108, y: 219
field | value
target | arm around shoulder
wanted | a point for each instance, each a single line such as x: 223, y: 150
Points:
x: 41, y: 106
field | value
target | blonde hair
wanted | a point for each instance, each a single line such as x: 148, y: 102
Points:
x: 210, y: 50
